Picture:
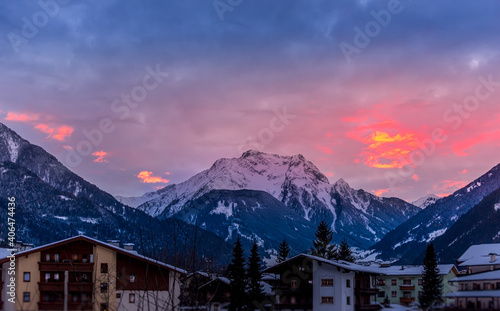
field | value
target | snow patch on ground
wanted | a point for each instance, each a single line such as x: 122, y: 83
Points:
x: 404, y: 242
x: 223, y: 209
x: 497, y: 236
x: 61, y: 217
x: 454, y: 217
x: 89, y: 220
x: 470, y: 188
x: 435, y: 234
x: 497, y: 207
x: 64, y: 198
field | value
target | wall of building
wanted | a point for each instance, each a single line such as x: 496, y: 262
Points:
x: 338, y: 291
x: 143, y: 300
x: 106, y: 256
x: 28, y: 263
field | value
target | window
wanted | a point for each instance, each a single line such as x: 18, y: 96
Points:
x: 46, y: 297
x: 293, y: 284
x: 84, y: 258
x: 293, y: 300
x: 47, y: 257
x: 131, y: 298
x: 348, y: 283
x: 132, y: 278
x: 84, y: 297
x: 56, y: 276
x: 118, y: 295
x: 216, y: 307
x: 381, y: 294
x: 27, y: 276
x: 420, y: 293
x: 420, y: 282
x: 47, y: 277
x: 406, y: 294
x: 407, y: 282
x: 56, y: 257
x: 394, y: 282
x: 327, y: 299
x: 26, y: 297
x: 498, y: 285
x: 74, y: 297
x: 380, y: 282
x: 394, y: 294
x: 104, y: 287
x: 75, y: 257
x: 348, y: 301
x: 326, y: 282
x: 104, y: 268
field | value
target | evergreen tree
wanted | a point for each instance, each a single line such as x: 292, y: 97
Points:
x: 322, y: 246
x: 237, y: 276
x: 345, y: 252
x: 254, y: 273
x: 283, y: 252
x: 432, y: 283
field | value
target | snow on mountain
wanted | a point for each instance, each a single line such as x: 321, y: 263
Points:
x: 425, y: 201
x: 434, y: 222
x: 295, y: 182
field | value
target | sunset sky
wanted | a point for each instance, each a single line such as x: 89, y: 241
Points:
x: 400, y: 98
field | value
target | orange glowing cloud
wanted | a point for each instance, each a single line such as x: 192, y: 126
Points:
x: 460, y: 148
x: 388, y: 144
x: 63, y: 132
x: 464, y: 171
x: 379, y: 192
x: 21, y: 117
x: 415, y: 177
x: 100, y: 156
x: 59, y: 134
x: 448, y: 186
x: 147, y: 178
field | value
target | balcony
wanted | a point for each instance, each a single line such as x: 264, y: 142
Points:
x: 60, y: 306
x: 406, y: 287
x: 66, y: 266
x: 406, y: 300
x: 59, y: 287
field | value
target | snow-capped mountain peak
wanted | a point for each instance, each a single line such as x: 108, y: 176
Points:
x: 425, y: 201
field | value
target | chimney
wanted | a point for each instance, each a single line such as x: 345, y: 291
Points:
x: 128, y: 246
x: 493, y: 257
x: 114, y: 242
x: 19, y: 246
x: 27, y: 246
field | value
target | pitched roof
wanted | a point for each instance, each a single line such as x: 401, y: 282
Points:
x: 474, y: 293
x: 337, y: 263
x: 483, y: 276
x: 415, y: 270
x: 480, y: 250
x: 133, y: 254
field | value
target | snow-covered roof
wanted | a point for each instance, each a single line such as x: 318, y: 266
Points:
x: 474, y: 293
x: 480, y: 261
x: 480, y: 250
x: 116, y: 248
x: 219, y: 278
x: 413, y: 270
x: 483, y: 276
x: 337, y: 263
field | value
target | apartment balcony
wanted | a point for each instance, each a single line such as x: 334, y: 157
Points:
x: 60, y: 306
x: 406, y: 300
x: 59, y: 287
x: 66, y: 266
x: 406, y: 287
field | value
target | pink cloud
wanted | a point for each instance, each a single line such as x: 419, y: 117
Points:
x: 59, y: 134
x: 100, y: 156
x: 21, y: 117
x: 415, y: 177
x: 380, y: 192
x: 146, y: 177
